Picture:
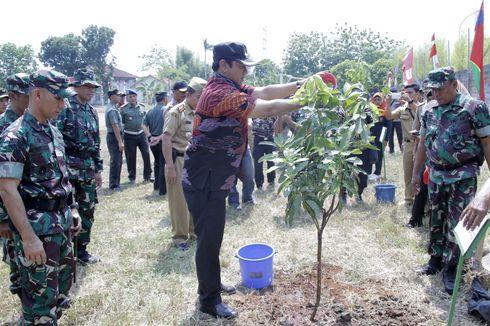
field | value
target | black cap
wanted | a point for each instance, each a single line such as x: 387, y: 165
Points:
x: 161, y: 93
x: 180, y: 86
x: 113, y: 91
x: 232, y: 51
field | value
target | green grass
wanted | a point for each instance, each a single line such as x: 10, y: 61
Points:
x: 143, y: 280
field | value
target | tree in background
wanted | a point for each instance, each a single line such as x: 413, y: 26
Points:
x: 167, y: 70
x: 63, y: 53
x: 97, y: 42
x: 304, y: 54
x: 14, y: 59
x: 148, y: 88
x: 70, y: 52
x: 266, y: 73
x: 351, y: 43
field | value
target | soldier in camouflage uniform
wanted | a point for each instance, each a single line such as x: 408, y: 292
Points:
x: 38, y: 198
x: 18, y: 88
x: 455, y: 130
x: 79, y: 125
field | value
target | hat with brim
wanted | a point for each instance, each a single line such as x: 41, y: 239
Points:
x: 83, y: 77
x: 180, y: 86
x: 234, y: 51
x: 18, y: 83
x: 52, y: 80
x: 438, y: 77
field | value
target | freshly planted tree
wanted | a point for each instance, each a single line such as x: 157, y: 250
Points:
x: 320, y: 159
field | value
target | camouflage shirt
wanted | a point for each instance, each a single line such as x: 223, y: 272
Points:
x: 79, y: 125
x: 6, y: 120
x: 34, y: 154
x: 263, y: 127
x: 452, y: 137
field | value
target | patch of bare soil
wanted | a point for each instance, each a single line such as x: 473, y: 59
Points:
x: 290, y: 302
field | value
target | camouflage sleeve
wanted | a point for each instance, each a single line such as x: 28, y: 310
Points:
x: 481, y: 120
x: 13, y: 154
x: 60, y: 120
x: 98, y: 159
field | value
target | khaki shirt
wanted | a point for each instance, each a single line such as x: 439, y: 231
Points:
x: 178, y: 124
x: 406, y: 116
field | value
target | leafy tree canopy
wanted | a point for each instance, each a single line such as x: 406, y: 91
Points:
x: 14, y: 59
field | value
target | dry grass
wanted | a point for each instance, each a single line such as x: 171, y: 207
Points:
x: 143, y: 280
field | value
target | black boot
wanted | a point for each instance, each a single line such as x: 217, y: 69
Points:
x: 83, y: 257
x: 432, y: 267
x: 448, y: 278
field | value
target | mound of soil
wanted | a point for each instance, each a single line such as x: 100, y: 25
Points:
x: 290, y: 301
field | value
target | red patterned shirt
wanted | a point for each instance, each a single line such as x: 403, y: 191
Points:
x: 219, y: 135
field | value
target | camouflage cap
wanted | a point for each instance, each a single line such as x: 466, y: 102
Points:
x: 438, y: 77
x: 197, y: 84
x: 53, y: 81
x: 18, y: 83
x: 3, y: 93
x: 84, y: 76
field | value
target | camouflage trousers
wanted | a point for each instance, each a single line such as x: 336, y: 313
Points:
x: 9, y: 259
x: 44, y: 287
x: 86, y: 197
x: 447, y: 201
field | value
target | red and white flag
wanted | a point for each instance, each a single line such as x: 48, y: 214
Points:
x: 408, y: 67
x: 433, y: 53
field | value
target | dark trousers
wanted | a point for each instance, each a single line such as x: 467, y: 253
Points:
x: 366, y: 166
x: 131, y: 142
x: 396, y: 127
x: 159, y: 169
x: 115, y: 161
x: 259, y: 151
x: 208, y: 210
x: 418, y: 208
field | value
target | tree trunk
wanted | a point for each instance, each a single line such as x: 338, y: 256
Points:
x: 318, y: 273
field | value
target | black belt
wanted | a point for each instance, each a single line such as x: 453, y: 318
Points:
x: 45, y: 204
x: 76, y: 153
x: 453, y: 167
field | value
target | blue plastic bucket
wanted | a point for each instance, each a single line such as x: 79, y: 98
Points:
x: 385, y: 193
x: 256, y: 265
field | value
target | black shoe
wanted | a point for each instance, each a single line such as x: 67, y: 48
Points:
x: 65, y: 304
x: 413, y: 224
x: 448, y: 278
x: 228, y: 289
x: 86, y: 258
x: 220, y: 310
x: 132, y: 182
x: 433, y: 267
